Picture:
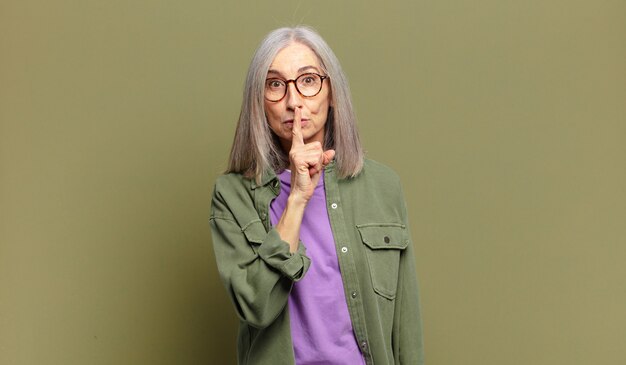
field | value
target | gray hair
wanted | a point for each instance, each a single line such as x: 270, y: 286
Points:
x: 256, y: 148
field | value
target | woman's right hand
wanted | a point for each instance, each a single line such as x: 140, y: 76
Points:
x: 307, y: 160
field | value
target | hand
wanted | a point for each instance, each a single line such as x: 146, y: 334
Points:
x: 306, y: 161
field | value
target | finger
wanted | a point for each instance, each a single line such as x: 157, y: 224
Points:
x: 327, y: 156
x: 316, y: 168
x: 313, y: 157
x: 296, y: 129
x: 309, y: 163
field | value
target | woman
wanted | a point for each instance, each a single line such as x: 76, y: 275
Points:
x: 311, y: 238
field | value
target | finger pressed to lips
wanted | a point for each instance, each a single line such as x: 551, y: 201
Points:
x: 303, y: 122
x: 291, y: 120
x: 296, y: 129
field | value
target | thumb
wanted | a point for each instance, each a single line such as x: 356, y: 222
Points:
x: 327, y: 157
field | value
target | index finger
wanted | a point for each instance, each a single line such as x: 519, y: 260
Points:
x: 296, y: 130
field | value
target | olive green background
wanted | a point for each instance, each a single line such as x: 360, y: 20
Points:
x: 505, y: 120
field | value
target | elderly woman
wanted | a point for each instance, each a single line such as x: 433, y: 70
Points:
x: 312, y: 239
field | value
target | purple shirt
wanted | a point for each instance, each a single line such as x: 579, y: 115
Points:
x: 321, y: 330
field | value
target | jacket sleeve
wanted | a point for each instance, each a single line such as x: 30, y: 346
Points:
x: 255, y: 266
x: 407, y: 332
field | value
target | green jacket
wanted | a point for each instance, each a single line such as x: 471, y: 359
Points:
x: 369, y: 222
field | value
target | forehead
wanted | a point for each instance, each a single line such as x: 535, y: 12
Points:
x: 294, y: 57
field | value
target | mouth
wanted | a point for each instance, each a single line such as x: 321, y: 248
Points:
x: 289, y: 122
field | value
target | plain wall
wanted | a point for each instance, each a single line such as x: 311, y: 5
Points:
x: 505, y: 120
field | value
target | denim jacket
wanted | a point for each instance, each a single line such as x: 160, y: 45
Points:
x: 370, y: 226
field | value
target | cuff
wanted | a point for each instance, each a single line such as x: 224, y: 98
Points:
x: 275, y: 252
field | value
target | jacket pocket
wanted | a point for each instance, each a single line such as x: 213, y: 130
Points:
x: 383, y: 244
x: 255, y: 232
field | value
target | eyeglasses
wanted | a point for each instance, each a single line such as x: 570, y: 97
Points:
x: 308, y: 85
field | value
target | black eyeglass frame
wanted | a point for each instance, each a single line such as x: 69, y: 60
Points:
x: 322, y: 78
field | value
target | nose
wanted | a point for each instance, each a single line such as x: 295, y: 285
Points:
x: 294, y: 99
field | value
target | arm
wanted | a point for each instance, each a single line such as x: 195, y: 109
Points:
x: 255, y: 266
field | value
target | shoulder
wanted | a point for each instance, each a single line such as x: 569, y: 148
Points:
x: 231, y: 185
x: 379, y: 172
x: 230, y: 181
x: 232, y: 197
x: 374, y: 181
x: 374, y: 195
x: 231, y: 177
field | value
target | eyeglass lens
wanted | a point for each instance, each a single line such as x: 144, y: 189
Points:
x: 308, y: 85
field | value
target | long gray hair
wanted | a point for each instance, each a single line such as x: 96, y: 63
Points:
x: 256, y: 148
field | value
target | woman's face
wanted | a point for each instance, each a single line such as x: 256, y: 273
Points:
x: 292, y: 61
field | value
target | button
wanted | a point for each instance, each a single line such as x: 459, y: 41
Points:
x: 263, y: 215
x: 333, y: 205
x: 363, y: 345
x: 386, y: 239
x: 354, y: 294
x: 344, y: 249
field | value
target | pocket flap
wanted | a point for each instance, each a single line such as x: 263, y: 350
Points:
x: 384, y: 236
x: 254, y: 231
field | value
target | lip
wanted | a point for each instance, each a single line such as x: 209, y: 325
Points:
x: 302, y: 121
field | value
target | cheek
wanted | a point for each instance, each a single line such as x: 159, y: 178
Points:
x: 271, y: 114
x: 319, y: 108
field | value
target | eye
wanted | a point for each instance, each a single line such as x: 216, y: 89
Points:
x: 274, y: 83
x: 308, y: 79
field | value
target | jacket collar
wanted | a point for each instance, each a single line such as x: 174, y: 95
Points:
x: 268, y: 176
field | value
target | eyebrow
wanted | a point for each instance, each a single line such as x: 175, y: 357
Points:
x: 300, y: 70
